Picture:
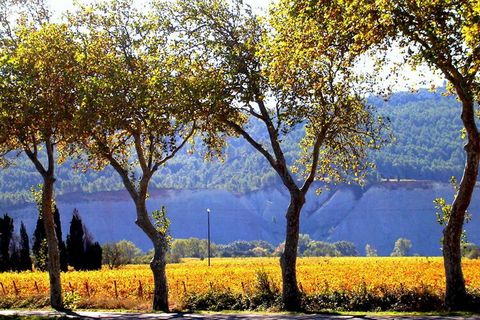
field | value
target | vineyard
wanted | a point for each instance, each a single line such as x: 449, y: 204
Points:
x: 192, y: 283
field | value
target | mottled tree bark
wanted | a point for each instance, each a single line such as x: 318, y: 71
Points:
x: 56, y: 299
x: 290, y: 294
x: 158, y: 266
x: 48, y: 175
x: 158, y: 263
x: 288, y: 261
x: 455, y: 294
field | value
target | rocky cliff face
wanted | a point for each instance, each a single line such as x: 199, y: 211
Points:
x: 378, y: 215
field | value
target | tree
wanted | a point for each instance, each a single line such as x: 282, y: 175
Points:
x: 446, y: 35
x: 76, y: 242
x: 346, y: 248
x: 471, y: 251
x: 83, y: 253
x: 138, y: 97
x: 6, y: 236
x: 274, y: 77
x: 93, y: 256
x: 14, y: 252
x: 61, y: 244
x: 111, y: 255
x: 303, y: 242
x: 321, y: 249
x: 402, y: 248
x: 121, y: 253
x: 37, y: 103
x: 39, y: 246
x: 25, y: 262
x: 370, y: 251
x: 192, y: 248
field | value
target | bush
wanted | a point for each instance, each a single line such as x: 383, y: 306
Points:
x: 265, y: 296
x: 377, y: 299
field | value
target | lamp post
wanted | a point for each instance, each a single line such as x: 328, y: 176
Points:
x: 208, y: 228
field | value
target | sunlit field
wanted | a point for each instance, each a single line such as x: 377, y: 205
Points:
x: 131, y: 286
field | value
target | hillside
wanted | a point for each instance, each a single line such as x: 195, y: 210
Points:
x: 249, y: 203
x: 428, y: 146
x: 377, y: 215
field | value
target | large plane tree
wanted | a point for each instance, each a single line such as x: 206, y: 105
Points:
x: 139, y: 107
x: 271, y: 75
x: 38, y: 81
x: 446, y: 35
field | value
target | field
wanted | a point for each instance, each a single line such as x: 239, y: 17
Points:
x: 130, y: 287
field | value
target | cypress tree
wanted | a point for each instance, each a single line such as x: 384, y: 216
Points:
x: 83, y: 253
x: 25, y: 262
x: 75, y: 242
x: 6, y: 234
x: 93, y: 257
x: 61, y: 244
x: 14, y: 252
x: 39, y: 247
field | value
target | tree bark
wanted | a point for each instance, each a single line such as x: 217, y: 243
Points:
x: 159, y: 240
x: 158, y: 263
x: 158, y: 266
x: 455, y: 293
x: 56, y: 299
x: 288, y: 260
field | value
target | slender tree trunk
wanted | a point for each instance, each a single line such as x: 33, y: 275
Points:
x: 158, y: 263
x: 56, y: 299
x: 288, y: 260
x: 158, y: 266
x: 455, y: 296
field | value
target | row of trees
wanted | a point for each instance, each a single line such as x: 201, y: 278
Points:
x: 125, y: 252
x: 14, y: 249
x: 80, y: 252
x: 111, y: 81
x: 402, y: 248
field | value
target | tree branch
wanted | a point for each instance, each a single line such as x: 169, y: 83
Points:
x: 140, y: 152
x: 171, y: 155
x: 315, y: 157
x: 238, y: 129
x: 50, y: 156
x: 38, y: 165
x: 121, y: 171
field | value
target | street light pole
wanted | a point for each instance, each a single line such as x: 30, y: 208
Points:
x: 208, y: 219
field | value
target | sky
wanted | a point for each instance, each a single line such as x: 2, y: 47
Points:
x: 422, y: 77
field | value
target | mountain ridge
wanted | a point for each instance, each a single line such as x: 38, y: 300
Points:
x: 378, y: 216
x: 428, y: 146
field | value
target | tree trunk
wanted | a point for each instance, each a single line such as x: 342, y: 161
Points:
x: 455, y: 295
x: 158, y: 263
x: 288, y: 260
x: 56, y: 299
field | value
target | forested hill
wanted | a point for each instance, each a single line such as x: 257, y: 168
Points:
x: 428, y: 146
x: 428, y: 138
